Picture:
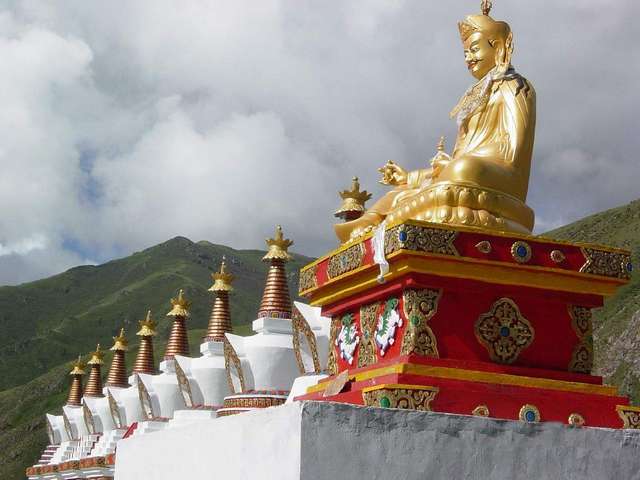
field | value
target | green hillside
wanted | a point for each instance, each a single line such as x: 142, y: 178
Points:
x: 617, y: 324
x: 45, y: 324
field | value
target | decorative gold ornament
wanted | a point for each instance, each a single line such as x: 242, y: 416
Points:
x: 406, y: 397
x: 222, y: 279
x: 484, y: 247
x: 630, y: 416
x: 180, y: 305
x: 529, y: 413
x: 332, y: 360
x: 582, y: 356
x: 368, y: 320
x: 184, y: 386
x: 147, y: 326
x: 346, y: 261
x: 253, y: 401
x: 97, y: 356
x: 145, y: 400
x: 78, y: 367
x: 352, y: 201
x: 481, y: 411
x: 576, y: 420
x: 88, y: 419
x: 521, y: 251
x: 486, y: 7
x: 419, y: 307
x: 308, y: 279
x: 301, y: 327
x: 68, y: 427
x: 504, y: 331
x: 557, y: 256
x: 278, y: 247
x: 496, y: 120
x: 420, y: 239
x: 232, y: 364
x: 606, y: 264
x: 120, y: 342
x: 114, y: 409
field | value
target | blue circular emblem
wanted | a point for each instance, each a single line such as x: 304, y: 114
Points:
x: 402, y: 236
x: 530, y: 416
x: 504, y: 331
x: 521, y: 251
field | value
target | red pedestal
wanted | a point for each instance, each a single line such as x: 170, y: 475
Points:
x: 469, y: 322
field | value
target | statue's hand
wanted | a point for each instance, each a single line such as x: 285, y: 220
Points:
x: 393, y: 174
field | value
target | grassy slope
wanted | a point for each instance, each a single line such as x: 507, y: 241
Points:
x: 617, y: 324
x: 46, y: 323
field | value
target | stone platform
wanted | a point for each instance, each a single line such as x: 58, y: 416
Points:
x: 319, y: 440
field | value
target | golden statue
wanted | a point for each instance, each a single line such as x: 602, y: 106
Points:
x: 484, y: 182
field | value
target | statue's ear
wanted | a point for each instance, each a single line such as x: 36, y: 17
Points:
x: 504, y: 52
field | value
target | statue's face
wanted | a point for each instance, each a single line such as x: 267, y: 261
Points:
x: 479, y: 54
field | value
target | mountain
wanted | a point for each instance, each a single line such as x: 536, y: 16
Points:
x: 47, y: 323
x: 617, y: 325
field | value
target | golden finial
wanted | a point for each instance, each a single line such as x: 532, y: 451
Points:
x: 180, y: 306
x: 352, y: 202
x: 120, y: 342
x: 278, y: 247
x: 486, y: 7
x: 440, y: 146
x: 78, y: 367
x: 222, y: 279
x: 96, y: 357
x: 147, y: 326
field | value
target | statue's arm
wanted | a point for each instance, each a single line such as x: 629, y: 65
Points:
x: 519, y: 120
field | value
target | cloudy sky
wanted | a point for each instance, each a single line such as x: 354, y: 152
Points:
x: 126, y: 123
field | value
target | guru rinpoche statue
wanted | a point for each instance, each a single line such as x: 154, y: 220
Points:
x: 484, y: 182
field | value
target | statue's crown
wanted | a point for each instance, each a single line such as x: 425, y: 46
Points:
x: 483, y: 23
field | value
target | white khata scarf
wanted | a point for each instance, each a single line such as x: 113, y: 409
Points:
x: 477, y: 95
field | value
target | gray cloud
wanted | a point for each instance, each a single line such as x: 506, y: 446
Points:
x: 125, y: 123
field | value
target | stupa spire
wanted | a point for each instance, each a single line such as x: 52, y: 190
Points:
x: 220, y: 320
x: 118, y: 372
x: 178, y: 343
x: 144, y: 359
x: 75, y: 392
x: 94, y: 384
x: 276, y: 301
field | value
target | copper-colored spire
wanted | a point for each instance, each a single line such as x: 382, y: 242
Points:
x: 118, y: 372
x: 75, y: 392
x: 94, y: 384
x: 276, y: 301
x: 144, y: 360
x: 178, y: 343
x: 220, y: 320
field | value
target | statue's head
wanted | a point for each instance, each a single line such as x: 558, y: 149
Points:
x: 487, y: 44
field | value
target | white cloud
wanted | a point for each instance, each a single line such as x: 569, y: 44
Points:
x: 125, y: 123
